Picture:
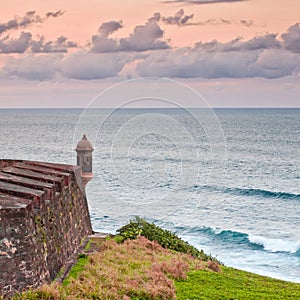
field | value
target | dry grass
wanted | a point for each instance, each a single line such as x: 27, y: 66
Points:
x: 140, y: 269
x: 135, y: 269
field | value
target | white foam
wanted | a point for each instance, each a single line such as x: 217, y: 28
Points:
x: 275, y: 245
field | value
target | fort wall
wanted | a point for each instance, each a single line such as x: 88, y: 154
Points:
x: 43, y: 220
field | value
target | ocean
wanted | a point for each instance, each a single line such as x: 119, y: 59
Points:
x: 227, y: 180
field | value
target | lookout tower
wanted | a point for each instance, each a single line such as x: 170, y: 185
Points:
x: 84, y: 151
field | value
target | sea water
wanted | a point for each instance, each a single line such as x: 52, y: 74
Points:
x: 229, y: 183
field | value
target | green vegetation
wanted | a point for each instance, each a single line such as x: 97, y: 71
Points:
x: 141, y: 267
x: 88, y: 245
x: 77, y: 268
x: 134, y: 269
x: 165, y: 238
x: 234, y: 284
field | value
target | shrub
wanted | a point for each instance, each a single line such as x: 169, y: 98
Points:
x: 164, y: 237
x: 213, y: 266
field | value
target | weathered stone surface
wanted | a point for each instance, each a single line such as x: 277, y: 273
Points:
x: 43, y: 219
x: 84, y: 151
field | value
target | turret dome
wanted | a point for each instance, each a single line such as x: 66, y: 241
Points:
x: 84, y: 145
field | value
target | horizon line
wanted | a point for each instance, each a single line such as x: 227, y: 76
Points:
x: 124, y: 108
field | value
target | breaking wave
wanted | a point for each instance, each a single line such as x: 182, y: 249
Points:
x: 249, y: 240
x: 248, y: 192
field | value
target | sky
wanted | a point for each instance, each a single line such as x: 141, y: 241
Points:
x: 235, y: 53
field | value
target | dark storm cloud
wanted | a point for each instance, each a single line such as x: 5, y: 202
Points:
x: 144, y: 37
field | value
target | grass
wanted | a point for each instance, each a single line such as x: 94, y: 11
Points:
x: 142, y: 269
x: 88, y: 245
x: 82, y: 261
x: 138, y: 269
x: 135, y: 269
x: 234, y: 284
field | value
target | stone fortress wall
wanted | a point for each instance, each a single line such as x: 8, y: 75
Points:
x: 44, y: 218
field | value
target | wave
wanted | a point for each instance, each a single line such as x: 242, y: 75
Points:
x: 228, y: 235
x: 248, y: 192
x: 276, y: 245
x: 263, y: 193
x: 255, y: 242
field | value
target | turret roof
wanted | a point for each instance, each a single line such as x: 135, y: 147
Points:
x: 84, y: 145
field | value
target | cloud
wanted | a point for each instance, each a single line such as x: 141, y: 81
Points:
x: 20, y: 22
x: 261, y: 56
x: 25, y: 43
x: 223, y: 21
x: 144, y: 37
x: 61, y: 45
x: 63, y: 41
x: 202, y: 2
x: 247, y: 23
x: 33, y: 67
x: 214, y: 22
x: 30, y: 17
x: 267, y: 56
x: 18, y: 45
x: 179, y: 19
x: 55, y: 14
x: 291, y: 38
x: 268, y: 41
x: 108, y: 28
x: 81, y: 65
x: 156, y: 17
x: 270, y: 64
x: 101, y: 42
x: 87, y: 66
